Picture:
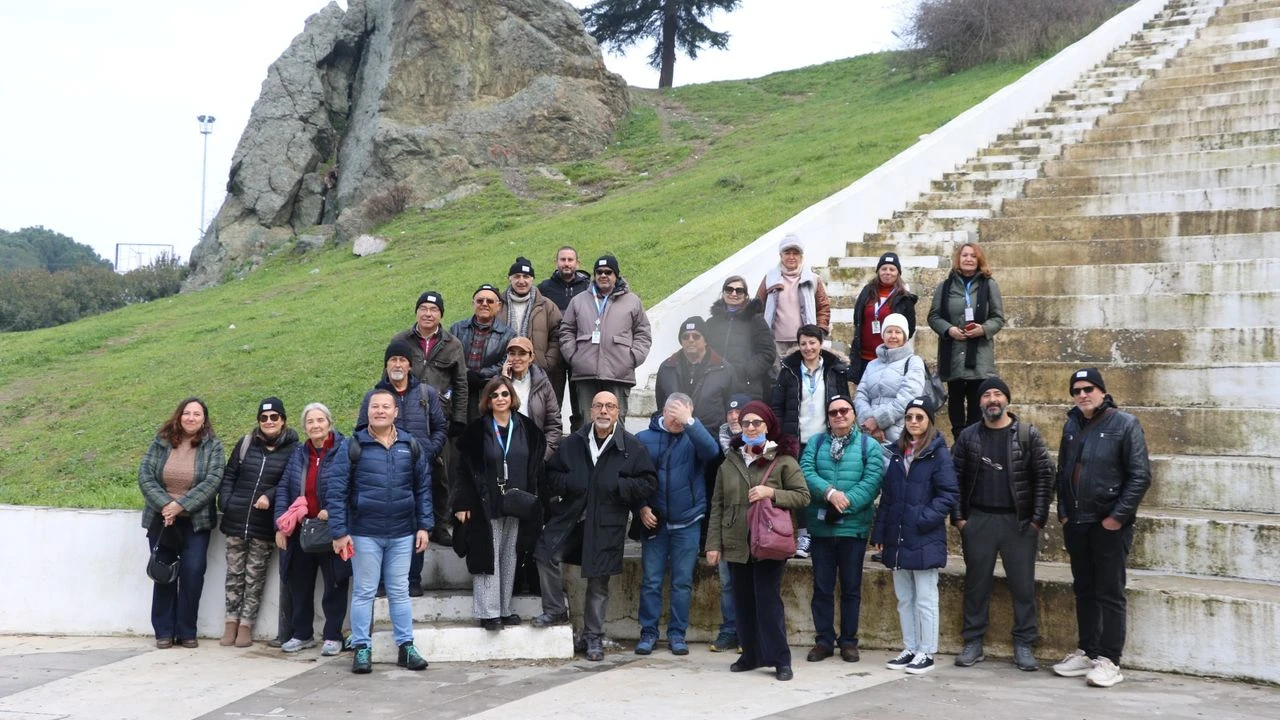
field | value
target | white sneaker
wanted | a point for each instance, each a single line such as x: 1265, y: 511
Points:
x: 802, y: 544
x: 295, y: 645
x: 1074, y: 665
x: 1104, y: 673
x: 331, y: 648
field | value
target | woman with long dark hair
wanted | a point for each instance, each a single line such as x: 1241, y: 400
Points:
x: 179, y: 478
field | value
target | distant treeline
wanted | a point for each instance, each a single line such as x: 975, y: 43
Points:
x: 48, y: 279
x: 954, y: 35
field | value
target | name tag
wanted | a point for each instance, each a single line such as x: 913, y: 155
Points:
x: 968, y: 314
x: 595, y: 337
x: 875, y: 327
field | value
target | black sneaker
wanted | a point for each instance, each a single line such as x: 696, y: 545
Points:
x: 922, y: 664
x: 491, y: 623
x: 970, y: 654
x: 409, y: 658
x: 902, y: 661
x: 547, y: 620
x: 415, y: 589
x: 726, y: 642
x: 511, y: 620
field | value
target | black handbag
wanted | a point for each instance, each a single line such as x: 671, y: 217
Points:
x: 517, y: 503
x: 162, y: 566
x: 314, y: 537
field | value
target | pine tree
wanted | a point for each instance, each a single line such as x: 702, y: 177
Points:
x: 675, y: 24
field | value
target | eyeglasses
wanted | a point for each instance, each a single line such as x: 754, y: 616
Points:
x: 839, y: 412
x: 735, y: 291
x: 604, y: 406
x: 485, y: 301
x: 1083, y: 390
x: 604, y: 271
x: 752, y: 423
x: 499, y: 394
x: 269, y: 417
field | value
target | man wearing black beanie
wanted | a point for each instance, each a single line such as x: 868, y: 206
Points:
x: 1006, y: 480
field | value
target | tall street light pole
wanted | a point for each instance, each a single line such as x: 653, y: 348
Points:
x: 206, y: 127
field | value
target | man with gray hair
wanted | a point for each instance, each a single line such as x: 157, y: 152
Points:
x: 670, y: 521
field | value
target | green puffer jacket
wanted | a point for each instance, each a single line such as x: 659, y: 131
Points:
x: 857, y: 475
x: 727, y: 530
x: 199, y: 500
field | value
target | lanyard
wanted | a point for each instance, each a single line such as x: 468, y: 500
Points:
x: 600, y: 306
x: 811, y: 377
x: 967, y: 285
x: 505, y: 445
x: 880, y: 301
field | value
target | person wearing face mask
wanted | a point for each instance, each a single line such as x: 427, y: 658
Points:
x: 966, y: 313
x: 885, y: 295
x: 890, y: 381
x: 419, y: 413
x: 248, y: 488
x: 484, y: 337
x: 793, y: 296
x: 761, y: 466
x: 736, y: 329
x: 304, y: 478
x: 533, y: 316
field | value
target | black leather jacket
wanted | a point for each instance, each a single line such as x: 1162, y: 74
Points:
x: 1030, y: 472
x: 1115, y: 472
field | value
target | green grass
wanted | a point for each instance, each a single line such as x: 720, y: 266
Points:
x: 676, y: 193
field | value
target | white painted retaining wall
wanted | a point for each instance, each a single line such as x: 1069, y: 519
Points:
x: 843, y: 217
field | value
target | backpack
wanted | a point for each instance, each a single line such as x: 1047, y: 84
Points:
x: 934, y: 389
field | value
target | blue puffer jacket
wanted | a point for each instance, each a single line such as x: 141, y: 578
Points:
x: 681, y: 459
x: 419, y: 412
x: 291, y: 487
x: 857, y: 475
x: 386, y: 495
x: 914, y: 506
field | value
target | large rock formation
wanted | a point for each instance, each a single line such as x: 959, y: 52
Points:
x: 415, y: 91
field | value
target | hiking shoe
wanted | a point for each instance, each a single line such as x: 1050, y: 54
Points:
x: 1104, y: 673
x: 409, y: 658
x: 1074, y: 665
x: 647, y: 641
x: 726, y: 642
x: 362, y: 663
x: 971, y: 654
x: 331, y: 648
x: 802, y: 544
x: 902, y: 661
x: 1024, y: 659
x: 677, y: 644
x: 595, y: 649
x: 295, y: 645
x: 547, y: 620
x: 922, y: 664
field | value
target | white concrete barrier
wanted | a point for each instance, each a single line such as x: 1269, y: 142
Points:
x: 843, y: 217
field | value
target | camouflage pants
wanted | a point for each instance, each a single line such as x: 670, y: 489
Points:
x: 247, y: 560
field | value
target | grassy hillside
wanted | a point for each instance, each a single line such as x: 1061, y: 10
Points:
x: 694, y: 175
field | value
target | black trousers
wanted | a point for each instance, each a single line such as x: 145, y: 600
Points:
x: 984, y: 535
x: 1098, y: 558
x: 962, y: 404
x: 303, y: 567
x: 762, y: 623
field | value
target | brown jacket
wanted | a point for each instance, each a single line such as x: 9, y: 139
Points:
x: 625, y: 336
x: 727, y: 528
x: 543, y: 329
x: 445, y: 370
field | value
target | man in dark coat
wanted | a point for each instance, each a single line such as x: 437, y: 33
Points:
x: 697, y: 371
x: 597, y: 476
x: 566, y: 282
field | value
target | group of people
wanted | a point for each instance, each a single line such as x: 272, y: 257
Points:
x: 460, y: 442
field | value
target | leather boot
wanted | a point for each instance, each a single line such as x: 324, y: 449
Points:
x: 229, y: 634
x: 244, y: 636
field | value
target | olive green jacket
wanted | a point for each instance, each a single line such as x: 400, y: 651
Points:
x: 727, y: 531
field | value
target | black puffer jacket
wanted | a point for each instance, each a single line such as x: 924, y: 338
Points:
x: 745, y: 341
x: 903, y: 303
x: 786, y: 393
x: 710, y: 392
x: 244, y: 482
x: 1031, y: 479
x: 1115, y: 472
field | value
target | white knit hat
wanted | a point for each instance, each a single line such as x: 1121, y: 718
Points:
x: 897, y: 320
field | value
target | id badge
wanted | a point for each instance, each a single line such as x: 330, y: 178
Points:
x: 875, y: 327
x: 968, y: 314
x: 595, y: 337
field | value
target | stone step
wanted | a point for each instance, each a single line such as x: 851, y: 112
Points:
x: 1122, y: 117
x: 1173, y: 162
x: 890, y: 240
x: 1149, y: 310
x: 1254, y: 21
x: 922, y: 250
x: 1215, y: 198
x: 1173, y: 101
x: 442, y: 569
x: 1169, y: 627
x: 1246, y: 484
x: 1200, y: 68
x: 1180, y: 224
x: 1179, y: 129
x: 1170, y: 78
x: 453, y: 606
x: 470, y: 643
x: 1094, y: 148
x: 971, y: 172
x: 1261, y: 174
x: 1212, y: 85
x: 928, y: 224
x: 1187, y: 431
x: 1000, y: 187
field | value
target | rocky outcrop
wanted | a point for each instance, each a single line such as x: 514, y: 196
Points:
x: 415, y: 91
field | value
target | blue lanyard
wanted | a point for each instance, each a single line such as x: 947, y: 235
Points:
x: 967, y: 285
x: 504, y: 444
x: 812, y: 377
x: 600, y: 306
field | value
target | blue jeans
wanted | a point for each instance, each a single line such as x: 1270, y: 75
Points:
x: 728, y: 616
x: 917, y: 592
x: 174, y: 607
x: 678, y: 550
x: 830, y: 555
x: 386, y: 560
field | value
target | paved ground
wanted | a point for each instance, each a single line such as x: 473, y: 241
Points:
x: 117, y: 678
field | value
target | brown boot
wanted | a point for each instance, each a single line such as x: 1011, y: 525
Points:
x: 229, y: 634
x: 244, y: 636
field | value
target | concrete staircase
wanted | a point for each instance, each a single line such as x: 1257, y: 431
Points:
x: 1133, y: 225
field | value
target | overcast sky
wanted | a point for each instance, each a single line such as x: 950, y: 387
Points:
x: 98, y: 103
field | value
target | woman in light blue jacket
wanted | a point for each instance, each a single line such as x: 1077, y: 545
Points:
x: 890, y: 382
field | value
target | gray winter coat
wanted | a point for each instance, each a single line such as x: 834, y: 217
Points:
x: 625, y: 336
x: 985, y: 365
x: 890, y: 381
x: 543, y: 408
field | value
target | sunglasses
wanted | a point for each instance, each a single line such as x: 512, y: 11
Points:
x: 752, y: 423
x: 839, y: 412
x: 269, y: 417
x: 604, y: 271
x: 735, y: 291
x: 485, y: 301
x: 1083, y: 390
x: 499, y: 394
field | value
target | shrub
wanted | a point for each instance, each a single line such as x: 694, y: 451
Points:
x: 959, y: 34
x: 387, y: 203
